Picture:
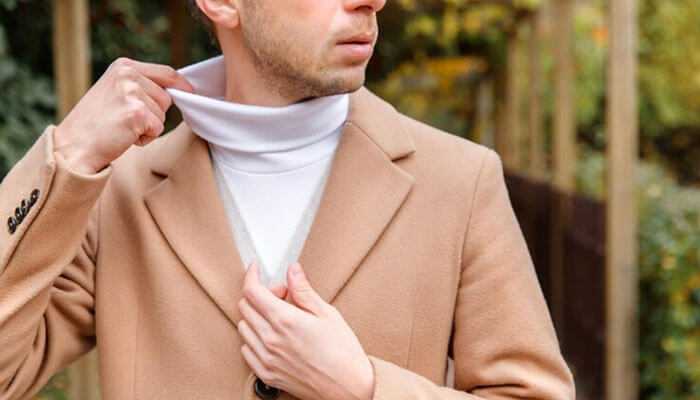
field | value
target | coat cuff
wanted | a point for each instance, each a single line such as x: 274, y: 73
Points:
x: 42, y: 188
x: 393, y: 382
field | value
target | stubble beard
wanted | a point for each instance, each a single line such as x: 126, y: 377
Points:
x: 284, y: 67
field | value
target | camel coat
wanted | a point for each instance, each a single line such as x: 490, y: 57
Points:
x: 415, y: 242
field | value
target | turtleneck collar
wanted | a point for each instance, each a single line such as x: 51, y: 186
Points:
x: 258, y: 139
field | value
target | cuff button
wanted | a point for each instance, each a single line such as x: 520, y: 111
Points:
x: 34, y: 196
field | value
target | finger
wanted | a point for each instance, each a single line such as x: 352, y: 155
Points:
x: 254, y: 362
x: 157, y: 93
x: 252, y: 340
x: 260, y: 297
x: 151, y: 104
x: 155, y: 126
x: 303, y: 295
x: 163, y: 75
x: 152, y: 130
x: 257, y: 323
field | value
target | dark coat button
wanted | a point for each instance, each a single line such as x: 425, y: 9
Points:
x: 24, y: 207
x: 264, y: 391
x: 11, y: 225
x: 34, y: 196
x: 19, y: 215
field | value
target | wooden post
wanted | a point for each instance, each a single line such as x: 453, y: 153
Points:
x: 71, y: 54
x: 500, y: 115
x: 564, y: 147
x: 510, y: 145
x: 483, y: 124
x: 564, y: 139
x: 621, y: 375
x: 179, y: 33
x: 536, y: 153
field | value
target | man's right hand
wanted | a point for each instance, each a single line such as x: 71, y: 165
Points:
x: 126, y: 106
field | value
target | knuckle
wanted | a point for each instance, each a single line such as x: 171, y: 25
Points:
x: 125, y: 72
x: 128, y: 88
x: 120, y: 61
x: 135, y: 117
x: 138, y: 110
x: 268, y: 362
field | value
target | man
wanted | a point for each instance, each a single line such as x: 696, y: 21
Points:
x: 411, y: 252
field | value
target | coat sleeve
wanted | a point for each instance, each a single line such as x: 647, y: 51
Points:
x: 47, y: 264
x: 503, y: 341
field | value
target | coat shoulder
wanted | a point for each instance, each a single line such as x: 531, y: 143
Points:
x: 443, y: 154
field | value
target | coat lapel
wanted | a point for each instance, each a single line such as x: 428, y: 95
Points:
x: 364, y: 190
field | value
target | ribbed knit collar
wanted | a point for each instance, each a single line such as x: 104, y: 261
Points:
x: 253, y: 138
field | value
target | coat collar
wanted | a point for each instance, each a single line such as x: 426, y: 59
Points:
x: 363, y: 192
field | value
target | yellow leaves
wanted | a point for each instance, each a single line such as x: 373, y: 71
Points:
x: 668, y: 262
x: 479, y: 19
x: 450, y: 26
x: 408, y: 5
x: 527, y: 4
x: 422, y: 25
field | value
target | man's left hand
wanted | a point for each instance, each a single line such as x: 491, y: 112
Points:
x: 301, y: 344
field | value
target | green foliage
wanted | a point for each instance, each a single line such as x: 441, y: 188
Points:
x: 669, y: 256
x: 670, y: 284
x: 436, y: 91
x: 27, y: 103
x: 670, y: 61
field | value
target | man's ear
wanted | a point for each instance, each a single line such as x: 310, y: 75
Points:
x: 221, y: 12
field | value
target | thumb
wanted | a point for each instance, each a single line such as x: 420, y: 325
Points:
x: 301, y: 291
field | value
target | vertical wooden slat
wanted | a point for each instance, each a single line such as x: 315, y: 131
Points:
x: 621, y: 225
x: 72, y: 70
x: 179, y: 33
x: 483, y: 125
x: 564, y: 139
x: 71, y: 52
x: 512, y: 135
x: 564, y: 147
x: 536, y: 153
x: 500, y: 114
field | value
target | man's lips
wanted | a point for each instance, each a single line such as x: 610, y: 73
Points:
x: 360, y: 38
x: 356, y: 51
x: 358, y: 47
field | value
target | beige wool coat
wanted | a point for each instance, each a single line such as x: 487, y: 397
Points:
x: 415, y: 243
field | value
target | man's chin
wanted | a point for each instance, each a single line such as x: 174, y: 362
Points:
x: 345, y: 83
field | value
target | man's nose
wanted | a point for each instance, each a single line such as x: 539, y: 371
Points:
x: 373, y: 5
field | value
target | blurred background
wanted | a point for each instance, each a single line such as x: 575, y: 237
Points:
x: 593, y: 105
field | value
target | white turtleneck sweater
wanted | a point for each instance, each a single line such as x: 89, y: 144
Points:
x: 272, y: 157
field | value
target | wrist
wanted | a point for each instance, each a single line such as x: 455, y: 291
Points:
x: 366, y: 384
x: 75, y: 156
